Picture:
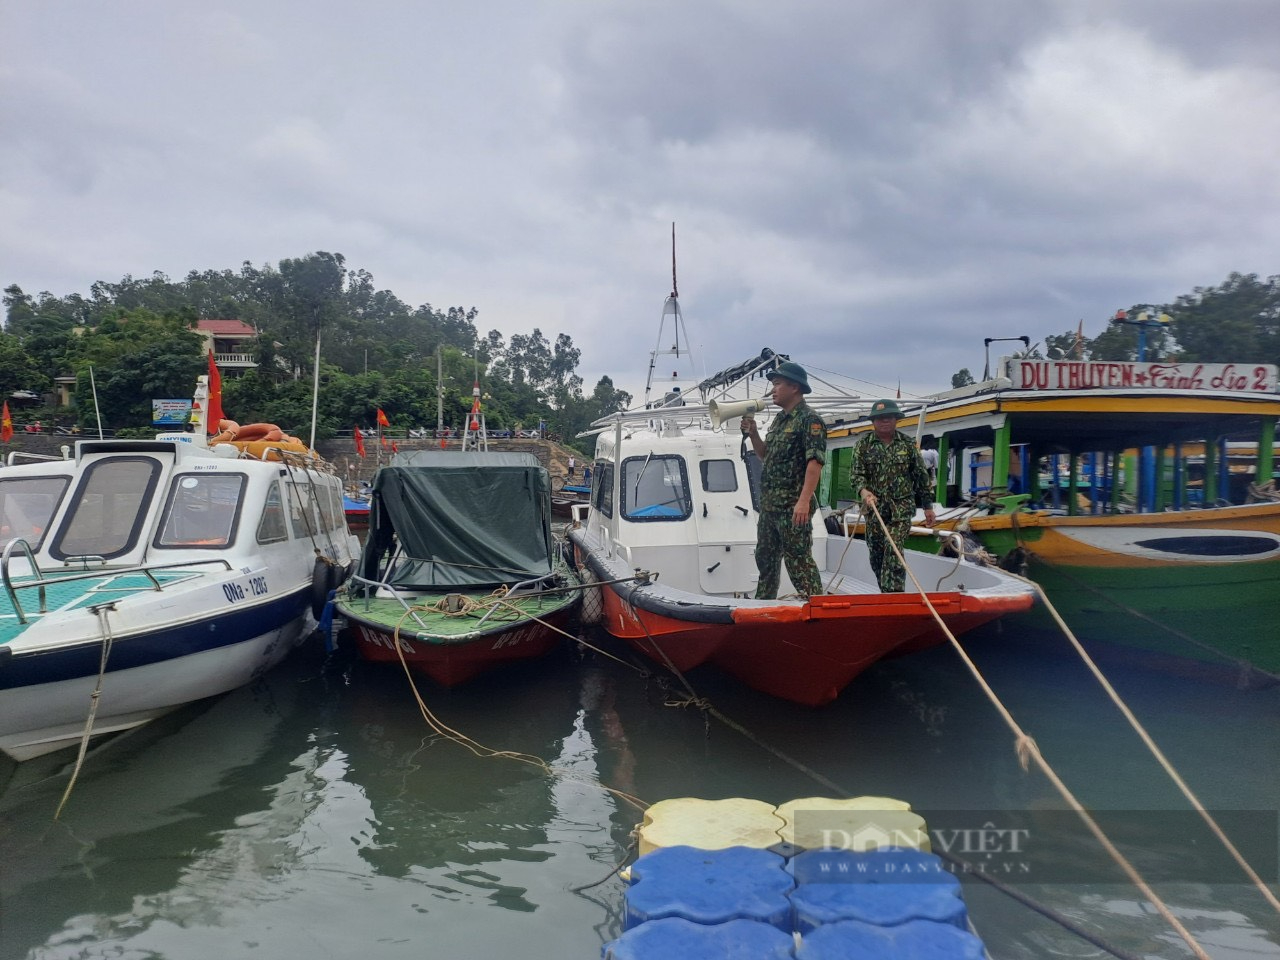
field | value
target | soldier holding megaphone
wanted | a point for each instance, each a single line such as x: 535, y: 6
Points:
x: 793, y: 454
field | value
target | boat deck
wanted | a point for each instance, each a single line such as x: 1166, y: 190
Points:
x: 62, y: 594
x: 424, y: 618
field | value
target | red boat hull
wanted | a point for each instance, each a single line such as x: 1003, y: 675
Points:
x: 804, y: 653
x: 451, y: 662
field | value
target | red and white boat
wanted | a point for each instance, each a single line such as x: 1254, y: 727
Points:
x: 675, y: 495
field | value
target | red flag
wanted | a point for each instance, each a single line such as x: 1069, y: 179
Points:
x: 214, y: 406
x: 395, y: 447
x: 383, y: 441
x: 359, y: 442
x: 382, y: 419
x: 6, y: 425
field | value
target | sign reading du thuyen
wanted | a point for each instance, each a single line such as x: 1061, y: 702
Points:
x: 1128, y: 375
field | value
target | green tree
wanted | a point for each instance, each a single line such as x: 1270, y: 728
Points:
x: 961, y: 378
x: 1236, y: 321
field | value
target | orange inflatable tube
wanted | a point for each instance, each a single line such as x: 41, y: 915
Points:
x: 229, y: 430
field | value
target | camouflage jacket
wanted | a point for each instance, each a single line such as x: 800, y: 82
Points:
x: 892, y: 471
x: 793, y: 440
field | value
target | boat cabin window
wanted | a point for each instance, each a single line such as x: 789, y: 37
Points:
x: 202, y: 510
x: 655, y: 488
x: 755, y: 466
x: 108, y: 508
x: 306, y: 509
x: 719, y: 476
x: 332, y: 513
x: 272, y: 527
x: 26, y: 507
x: 602, y: 495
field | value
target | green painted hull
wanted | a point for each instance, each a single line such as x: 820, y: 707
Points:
x: 1216, y: 614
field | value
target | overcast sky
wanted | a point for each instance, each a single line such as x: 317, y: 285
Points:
x: 872, y: 186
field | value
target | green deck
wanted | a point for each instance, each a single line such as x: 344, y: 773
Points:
x: 68, y: 594
x: 438, y: 627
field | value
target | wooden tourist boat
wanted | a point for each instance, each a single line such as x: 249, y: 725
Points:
x: 460, y: 572
x: 1126, y: 489
x: 141, y: 575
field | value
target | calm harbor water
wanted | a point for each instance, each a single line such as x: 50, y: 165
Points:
x: 315, y: 814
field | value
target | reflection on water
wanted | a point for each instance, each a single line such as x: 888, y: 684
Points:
x: 316, y: 814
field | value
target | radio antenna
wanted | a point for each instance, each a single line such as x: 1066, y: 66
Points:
x: 675, y: 290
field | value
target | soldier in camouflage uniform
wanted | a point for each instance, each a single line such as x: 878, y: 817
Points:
x: 793, y: 455
x: 887, y: 473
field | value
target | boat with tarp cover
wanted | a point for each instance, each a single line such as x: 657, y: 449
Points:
x: 460, y: 572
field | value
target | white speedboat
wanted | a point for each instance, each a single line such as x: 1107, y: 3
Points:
x: 670, y: 534
x: 140, y: 575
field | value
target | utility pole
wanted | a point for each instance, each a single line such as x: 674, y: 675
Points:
x: 439, y: 392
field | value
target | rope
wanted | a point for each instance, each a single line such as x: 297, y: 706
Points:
x: 94, y: 698
x: 480, y: 750
x: 1048, y: 912
x: 1028, y: 751
x: 1244, y: 666
x: 1156, y: 751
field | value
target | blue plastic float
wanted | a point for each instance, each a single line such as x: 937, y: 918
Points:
x: 757, y: 892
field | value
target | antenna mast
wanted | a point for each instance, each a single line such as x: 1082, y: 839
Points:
x: 671, y: 308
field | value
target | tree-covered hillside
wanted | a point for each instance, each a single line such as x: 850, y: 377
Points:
x: 377, y: 351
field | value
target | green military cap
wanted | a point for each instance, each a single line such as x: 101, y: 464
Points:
x: 793, y: 372
x: 885, y: 408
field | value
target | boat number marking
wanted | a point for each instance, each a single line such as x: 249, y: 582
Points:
x: 235, y: 592
x: 381, y: 640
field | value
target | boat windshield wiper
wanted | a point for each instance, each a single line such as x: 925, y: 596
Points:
x: 643, y: 467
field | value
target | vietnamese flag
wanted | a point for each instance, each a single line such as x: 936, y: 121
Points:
x: 395, y: 447
x: 382, y: 419
x: 213, y: 412
x: 6, y: 425
x: 383, y: 441
x: 359, y: 442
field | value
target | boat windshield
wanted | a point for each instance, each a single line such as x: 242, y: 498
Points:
x: 108, y: 508
x: 655, y: 488
x: 27, y: 504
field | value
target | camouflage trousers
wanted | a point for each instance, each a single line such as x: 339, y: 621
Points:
x: 885, y: 564
x: 778, y: 539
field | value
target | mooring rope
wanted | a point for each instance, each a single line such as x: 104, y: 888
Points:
x: 1156, y: 752
x: 104, y: 625
x: 710, y: 710
x: 1027, y: 751
x: 480, y: 750
x: 1243, y: 665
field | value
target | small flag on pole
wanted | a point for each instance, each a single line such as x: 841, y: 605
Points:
x: 6, y: 425
x: 395, y: 447
x: 359, y: 442
x: 382, y: 419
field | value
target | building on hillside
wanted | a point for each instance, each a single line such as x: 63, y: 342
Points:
x: 231, y: 342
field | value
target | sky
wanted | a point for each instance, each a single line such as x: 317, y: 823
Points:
x: 870, y: 186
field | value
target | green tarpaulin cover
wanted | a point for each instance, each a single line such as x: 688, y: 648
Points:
x: 459, y: 521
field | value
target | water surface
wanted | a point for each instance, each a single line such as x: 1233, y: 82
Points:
x: 316, y: 814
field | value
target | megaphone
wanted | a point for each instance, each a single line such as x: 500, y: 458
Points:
x: 721, y: 410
